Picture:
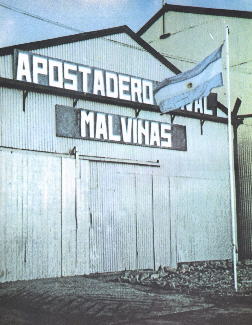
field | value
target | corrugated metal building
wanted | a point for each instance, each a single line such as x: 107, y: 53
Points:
x: 93, y: 178
x: 185, y: 35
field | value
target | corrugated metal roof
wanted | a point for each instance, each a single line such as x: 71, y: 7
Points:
x: 194, y: 10
x: 90, y: 35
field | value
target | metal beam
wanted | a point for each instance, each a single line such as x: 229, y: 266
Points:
x: 244, y: 116
x: 121, y: 161
x: 236, y: 107
x: 198, y: 116
x: 75, y: 101
x: 201, y: 126
x: 222, y: 107
x: 22, y: 85
x: 25, y: 94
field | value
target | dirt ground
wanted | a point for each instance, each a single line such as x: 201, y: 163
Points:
x: 82, y: 300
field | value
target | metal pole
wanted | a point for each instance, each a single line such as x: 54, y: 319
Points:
x: 163, y: 3
x: 231, y: 165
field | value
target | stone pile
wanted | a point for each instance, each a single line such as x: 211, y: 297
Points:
x: 214, y: 277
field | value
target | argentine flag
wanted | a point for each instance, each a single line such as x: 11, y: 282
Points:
x: 184, y: 88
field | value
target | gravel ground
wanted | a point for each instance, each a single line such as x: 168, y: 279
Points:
x: 213, y: 277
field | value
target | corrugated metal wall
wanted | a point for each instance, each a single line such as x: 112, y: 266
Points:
x: 120, y: 47
x: 180, y: 49
x: 113, y: 224
x: 245, y: 191
x: 98, y: 52
x: 44, y: 221
x: 199, y: 229
x: 205, y: 158
x: 35, y: 129
x: 61, y: 216
x: 75, y: 218
x: 162, y: 221
x: 122, y: 228
x: 30, y: 216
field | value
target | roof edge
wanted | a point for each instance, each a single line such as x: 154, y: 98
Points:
x: 151, y: 21
x: 89, y: 35
x: 194, y: 10
x: 151, y: 50
x: 63, y: 39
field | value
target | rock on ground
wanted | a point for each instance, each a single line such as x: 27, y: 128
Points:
x: 214, y: 277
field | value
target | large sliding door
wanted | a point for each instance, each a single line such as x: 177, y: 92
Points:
x: 63, y: 216
x: 129, y: 218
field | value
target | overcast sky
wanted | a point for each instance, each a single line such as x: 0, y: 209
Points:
x: 85, y: 15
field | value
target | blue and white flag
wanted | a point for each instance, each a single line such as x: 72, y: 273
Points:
x: 184, y: 88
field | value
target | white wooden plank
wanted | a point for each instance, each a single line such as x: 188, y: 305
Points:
x: 53, y: 216
x: 83, y: 219
x: 123, y: 230
x: 113, y: 228
x: 69, y: 221
x: 144, y: 212
x: 31, y: 206
x: 161, y: 219
x: 96, y: 238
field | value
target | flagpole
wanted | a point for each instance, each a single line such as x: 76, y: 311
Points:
x: 231, y: 165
